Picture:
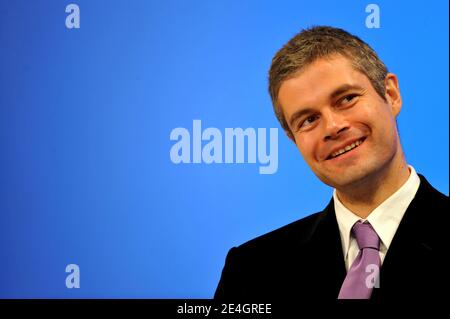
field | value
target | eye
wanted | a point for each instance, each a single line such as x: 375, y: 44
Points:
x: 348, y: 99
x: 308, y: 121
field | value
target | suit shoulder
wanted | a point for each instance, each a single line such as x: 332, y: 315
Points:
x: 430, y: 196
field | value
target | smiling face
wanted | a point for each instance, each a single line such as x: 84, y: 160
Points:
x: 344, y: 130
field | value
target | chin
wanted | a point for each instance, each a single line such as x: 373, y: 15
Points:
x: 345, y: 180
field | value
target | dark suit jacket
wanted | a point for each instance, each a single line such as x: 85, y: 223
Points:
x: 304, y: 260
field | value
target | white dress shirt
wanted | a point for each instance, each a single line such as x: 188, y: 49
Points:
x: 385, y: 219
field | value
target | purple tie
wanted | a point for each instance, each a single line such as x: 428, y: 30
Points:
x: 363, y: 275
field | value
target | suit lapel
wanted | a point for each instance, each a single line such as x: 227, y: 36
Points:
x: 409, y: 268
x: 326, y: 251
x: 406, y: 267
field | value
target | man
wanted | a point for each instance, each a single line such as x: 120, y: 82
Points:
x: 382, y: 235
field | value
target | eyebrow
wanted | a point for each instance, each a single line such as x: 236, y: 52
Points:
x: 340, y: 90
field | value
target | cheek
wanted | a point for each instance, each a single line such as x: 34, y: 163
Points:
x: 306, y: 148
x: 377, y: 113
x: 366, y: 114
x: 384, y: 123
x: 373, y: 118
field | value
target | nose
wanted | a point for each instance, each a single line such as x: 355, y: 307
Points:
x: 334, y: 125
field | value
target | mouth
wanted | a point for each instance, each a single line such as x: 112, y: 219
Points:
x: 346, y: 149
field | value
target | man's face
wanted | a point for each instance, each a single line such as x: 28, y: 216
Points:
x: 332, y: 108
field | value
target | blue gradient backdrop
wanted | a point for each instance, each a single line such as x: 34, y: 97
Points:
x: 85, y: 118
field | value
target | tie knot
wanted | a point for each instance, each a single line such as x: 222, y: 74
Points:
x: 366, y: 236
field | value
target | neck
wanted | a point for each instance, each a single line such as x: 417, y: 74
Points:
x: 363, y: 197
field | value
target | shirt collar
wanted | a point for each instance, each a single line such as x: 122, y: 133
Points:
x: 385, y: 219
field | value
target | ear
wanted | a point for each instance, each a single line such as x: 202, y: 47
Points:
x: 392, y: 94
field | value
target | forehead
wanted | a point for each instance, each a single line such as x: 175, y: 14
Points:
x: 318, y: 80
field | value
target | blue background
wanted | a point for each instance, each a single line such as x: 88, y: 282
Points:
x: 85, y: 119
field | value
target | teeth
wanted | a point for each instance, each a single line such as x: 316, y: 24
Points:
x: 346, y: 149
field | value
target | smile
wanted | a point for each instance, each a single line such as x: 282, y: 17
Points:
x: 346, y: 149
